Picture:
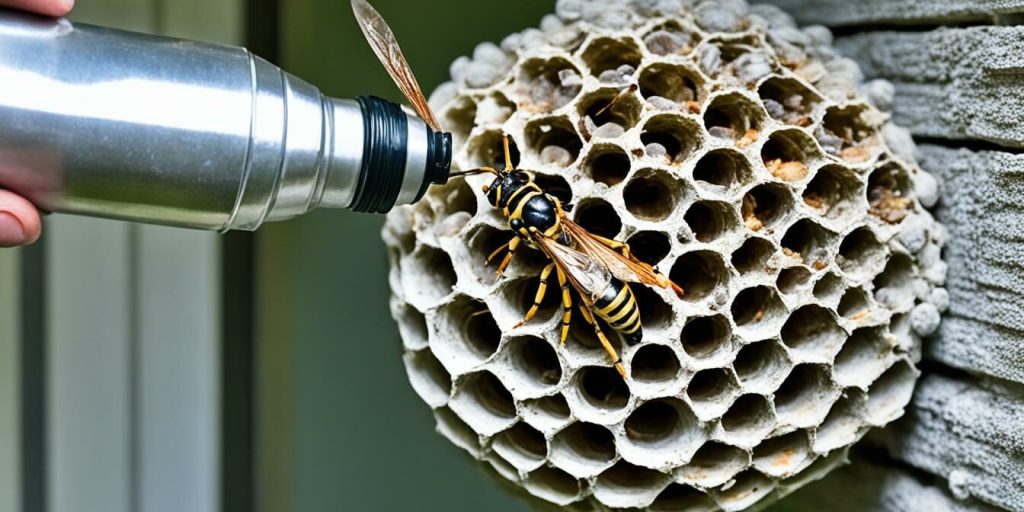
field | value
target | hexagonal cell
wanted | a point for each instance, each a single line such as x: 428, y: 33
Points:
x: 891, y: 393
x: 707, y: 337
x: 412, y: 326
x: 521, y: 294
x: 673, y: 82
x: 680, y: 498
x: 861, y: 255
x: 784, y: 456
x: 544, y: 85
x: 712, y: 391
x: 753, y: 255
x: 483, y: 402
x: 547, y: 413
x: 757, y: 312
x: 889, y: 194
x: 459, y: 198
x: 722, y: 170
x: 894, y: 286
x: 459, y: 119
x: 652, y: 194
x: 670, y: 136
x: 649, y: 246
x: 602, y: 389
x: 487, y: 150
x: 428, y: 378
x: 700, y: 274
x: 654, y: 363
x: 846, y: 132
x: 607, y: 113
x: 829, y: 288
x: 502, y: 467
x: 835, y: 193
x: 625, y: 485
x: 793, y: 280
x: 598, y: 217
x: 710, y: 220
x: 483, y: 241
x: 805, y: 397
x: 788, y: 100
x: 607, y: 163
x: 553, y: 485
x: 808, y: 241
x: 554, y: 185
x: 813, y: 334
x: 750, y: 487
x: 671, y: 38
x: 606, y: 53
x: 428, y: 276
x: 534, y: 363
x: 749, y: 419
x: 864, y: 357
x: 522, y: 446
x: 457, y: 431
x: 854, y: 305
x: 788, y: 154
x: 583, y: 449
x: 655, y: 313
x: 733, y: 117
x: 466, y: 335
x: 555, y: 140
x: 762, y: 365
x: 766, y: 206
x: 843, y: 425
x: 661, y: 434
x: 714, y: 464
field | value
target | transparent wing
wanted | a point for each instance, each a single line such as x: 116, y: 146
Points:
x: 630, y: 270
x: 384, y: 44
x: 587, y: 276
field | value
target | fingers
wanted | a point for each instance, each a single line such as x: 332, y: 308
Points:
x: 19, y: 220
x: 44, y: 7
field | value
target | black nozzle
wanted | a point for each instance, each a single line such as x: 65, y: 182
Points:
x: 439, y: 160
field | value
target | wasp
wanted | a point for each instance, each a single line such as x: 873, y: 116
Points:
x: 597, y: 268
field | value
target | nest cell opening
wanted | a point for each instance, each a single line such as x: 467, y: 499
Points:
x: 544, y: 85
x: 413, y: 327
x: 650, y: 246
x: 792, y: 280
x: 750, y: 416
x: 661, y: 431
x: 428, y: 276
x: 467, y: 334
x: 652, y: 195
x: 805, y: 397
x: 522, y: 446
x: 673, y: 133
x: 610, y: 106
x: 812, y: 332
x: 864, y: 357
x: 626, y: 485
x: 554, y: 185
x: 829, y: 288
x: 557, y: 132
x: 459, y: 120
x: 428, y: 377
x: 789, y: 101
x: 766, y: 205
x: 607, y: 163
x: 749, y: 488
x: 487, y: 150
x: 598, y: 217
x: 522, y: 292
x: 756, y: 308
x: 761, y: 364
x: 714, y: 464
x: 486, y: 394
x: 672, y: 82
x: 482, y: 242
x: 723, y: 169
x: 788, y: 154
x: 457, y: 431
x: 854, y: 304
x: 889, y: 194
x: 894, y: 286
x: 834, y: 192
x: 710, y: 390
x: 583, y: 449
x: 732, y: 116
x: 891, y: 393
x: 603, y: 388
x: 700, y: 274
x: 535, y: 362
x: 654, y: 363
x: 553, y: 485
x: 655, y: 313
x: 842, y: 425
x: 671, y: 38
x: 502, y: 467
x: 607, y: 54
x: 547, y: 411
x: 459, y: 198
x: 706, y: 336
x: 678, y: 497
x: 861, y: 255
x: 709, y: 220
x: 753, y: 255
x: 845, y: 130
x: 808, y: 241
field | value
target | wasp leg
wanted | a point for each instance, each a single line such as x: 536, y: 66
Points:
x: 566, y: 305
x: 512, y: 246
x: 508, y: 153
x: 542, y: 289
x: 496, y: 252
x: 616, y: 360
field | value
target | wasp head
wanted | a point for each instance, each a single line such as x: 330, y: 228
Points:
x: 504, y: 185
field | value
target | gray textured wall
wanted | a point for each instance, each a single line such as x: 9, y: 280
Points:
x: 958, y: 71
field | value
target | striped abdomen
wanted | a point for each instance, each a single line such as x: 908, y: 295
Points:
x: 617, y: 306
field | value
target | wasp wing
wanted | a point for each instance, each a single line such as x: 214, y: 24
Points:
x: 384, y: 44
x: 586, y: 275
x: 629, y: 269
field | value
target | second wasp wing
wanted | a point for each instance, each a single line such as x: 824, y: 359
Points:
x: 627, y: 269
x: 586, y: 275
x: 384, y: 44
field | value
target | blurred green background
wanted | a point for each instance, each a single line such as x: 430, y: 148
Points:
x: 360, y: 439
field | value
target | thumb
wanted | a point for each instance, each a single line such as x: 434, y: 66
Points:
x: 19, y: 220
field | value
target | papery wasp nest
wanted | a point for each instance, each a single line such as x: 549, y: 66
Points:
x: 744, y: 159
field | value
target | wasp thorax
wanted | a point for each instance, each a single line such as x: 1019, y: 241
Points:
x: 754, y: 176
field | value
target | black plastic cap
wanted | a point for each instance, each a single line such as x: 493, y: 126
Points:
x: 439, y: 160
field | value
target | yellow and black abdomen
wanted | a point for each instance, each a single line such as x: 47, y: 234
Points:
x: 617, y: 306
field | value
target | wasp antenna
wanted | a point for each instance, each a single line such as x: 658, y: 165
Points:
x: 473, y: 172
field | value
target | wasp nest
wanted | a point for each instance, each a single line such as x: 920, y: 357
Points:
x: 744, y: 159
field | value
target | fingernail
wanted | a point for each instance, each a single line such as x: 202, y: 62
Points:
x: 12, y: 232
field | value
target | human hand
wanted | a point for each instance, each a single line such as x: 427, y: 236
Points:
x: 19, y: 220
